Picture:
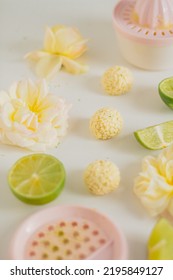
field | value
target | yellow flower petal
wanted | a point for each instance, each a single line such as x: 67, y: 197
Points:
x: 77, y: 49
x: 30, y: 114
x: 49, y: 41
x: 59, y: 42
x: 73, y: 67
x: 154, y: 185
x: 149, y: 162
x: 46, y: 65
x: 170, y: 206
x: 169, y: 172
x: 34, y: 57
x: 64, y: 38
x: 153, y: 194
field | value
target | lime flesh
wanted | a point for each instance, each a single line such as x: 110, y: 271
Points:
x: 156, y: 137
x: 37, y: 178
x: 165, y: 89
x: 160, y: 244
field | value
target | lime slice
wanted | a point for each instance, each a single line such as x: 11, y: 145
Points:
x: 160, y: 244
x: 156, y: 137
x: 166, y: 91
x: 37, y: 178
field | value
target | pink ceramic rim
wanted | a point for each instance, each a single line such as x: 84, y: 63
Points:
x: 135, y: 32
x: 17, y: 238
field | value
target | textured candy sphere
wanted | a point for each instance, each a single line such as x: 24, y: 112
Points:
x: 117, y: 80
x: 106, y: 123
x: 102, y: 177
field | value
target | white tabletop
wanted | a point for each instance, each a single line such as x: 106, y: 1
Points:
x: 22, y: 24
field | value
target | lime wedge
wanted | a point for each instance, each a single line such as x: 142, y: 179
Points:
x: 37, y: 178
x: 160, y: 244
x: 166, y: 91
x: 156, y: 137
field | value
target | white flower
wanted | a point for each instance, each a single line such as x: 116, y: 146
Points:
x: 62, y: 46
x: 154, y: 185
x: 31, y: 117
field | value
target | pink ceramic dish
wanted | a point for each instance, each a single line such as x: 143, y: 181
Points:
x: 144, y: 30
x: 68, y: 233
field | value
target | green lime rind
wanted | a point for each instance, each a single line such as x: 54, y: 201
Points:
x: 165, y: 89
x: 160, y: 243
x: 51, y: 179
x: 42, y: 199
x: 156, y: 137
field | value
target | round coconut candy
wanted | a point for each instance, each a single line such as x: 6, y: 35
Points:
x: 117, y: 80
x: 106, y: 123
x: 102, y: 177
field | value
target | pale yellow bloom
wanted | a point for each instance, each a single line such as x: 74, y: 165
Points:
x: 62, y: 46
x: 32, y: 117
x: 154, y: 185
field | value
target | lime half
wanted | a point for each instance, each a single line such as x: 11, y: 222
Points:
x: 160, y: 244
x: 37, y: 178
x: 166, y: 91
x: 156, y: 137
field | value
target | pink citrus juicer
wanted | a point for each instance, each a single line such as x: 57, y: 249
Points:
x: 68, y: 233
x: 144, y: 30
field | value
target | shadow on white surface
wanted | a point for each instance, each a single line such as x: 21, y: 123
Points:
x: 147, y: 99
x: 103, y: 48
x: 93, y: 84
x: 75, y: 183
x: 125, y: 143
x: 137, y: 248
x: 125, y: 194
x: 80, y: 127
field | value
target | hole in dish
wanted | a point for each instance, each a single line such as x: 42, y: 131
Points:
x: 78, y: 240
x: 133, y: 27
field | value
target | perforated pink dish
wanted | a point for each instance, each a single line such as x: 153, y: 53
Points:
x: 68, y: 233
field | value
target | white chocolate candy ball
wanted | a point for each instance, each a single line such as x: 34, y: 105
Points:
x: 102, y: 177
x: 117, y: 80
x: 106, y: 123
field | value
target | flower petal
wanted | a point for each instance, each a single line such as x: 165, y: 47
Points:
x: 31, y: 117
x: 33, y: 57
x: 77, y: 49
x: 49, y: 41
x: 64, y: 38
x: 169, y: 172
x: 170, y: 206
x: 73, y: 67
x: 154, y: 195
x: 6, y: 115
x: 46, y: 65
x: 18, y: 139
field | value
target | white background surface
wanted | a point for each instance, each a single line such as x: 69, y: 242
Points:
x: 22, y: 24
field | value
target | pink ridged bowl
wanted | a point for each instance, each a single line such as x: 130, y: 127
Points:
x: 144, y: 30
